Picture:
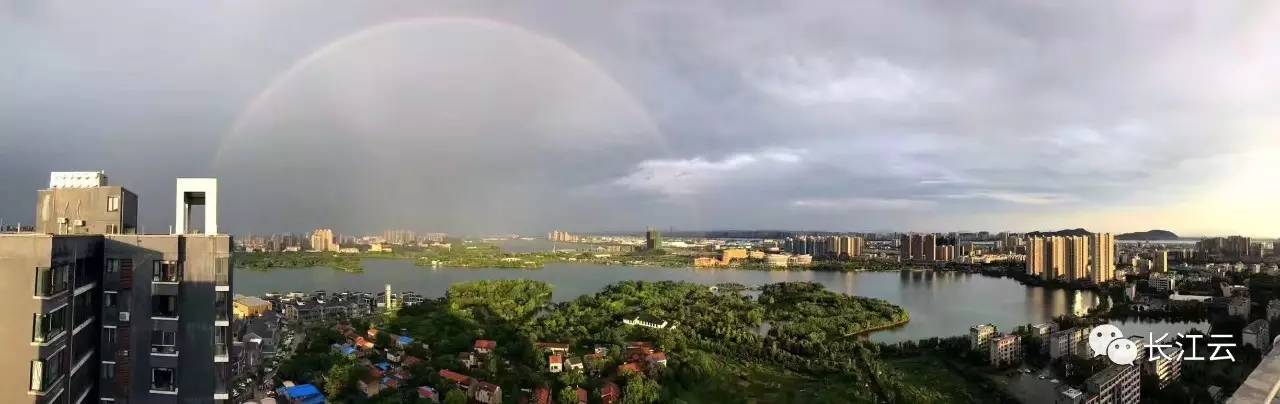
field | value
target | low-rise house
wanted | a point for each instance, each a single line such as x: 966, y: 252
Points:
x: 303, y: 394
x: 542, y: 395
x: 582, y: 395
x: 484, y: 346
x: 469, y: 359
x: 555, y: 364
x: 553, y: 347
x: 1258, y: 335
x: 486, y: 393
x: 1238, y: 306
x: 428, y: 393
x: 573, y: 363
x: 458, y: 379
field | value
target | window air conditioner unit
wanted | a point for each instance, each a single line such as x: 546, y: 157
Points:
x: 124, y: 316
x: 79, y: 223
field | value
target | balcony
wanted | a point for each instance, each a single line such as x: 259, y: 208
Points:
x: 48, y: 327
x: 166, y: 272
x: 53, y: 281
x: 164, y: 307
x: 164, y: 350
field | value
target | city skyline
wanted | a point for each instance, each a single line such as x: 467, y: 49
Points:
x: 489, y: 118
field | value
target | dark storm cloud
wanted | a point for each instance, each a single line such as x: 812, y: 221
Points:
x: 817, y: 115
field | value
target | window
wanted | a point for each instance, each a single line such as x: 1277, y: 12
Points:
x: 220, y: 338
x: 113, y: 265
x: 113, y: 229
x: 109, y: 335
x: 163, y: 379
x: 52, y: 281
x: 109, y: 299
x: 166, y: 271
x: 221, y: 305
x: 164, y: 342
x: 108, y: 370
x: 113, y: 203
x: 83, y: 308
x: 164, y: 306
x: 47, y: 326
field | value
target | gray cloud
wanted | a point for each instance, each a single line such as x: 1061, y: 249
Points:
x: 605, y: 116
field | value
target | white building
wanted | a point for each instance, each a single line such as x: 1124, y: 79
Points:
x: 645, y: 320
x: 980, y: 335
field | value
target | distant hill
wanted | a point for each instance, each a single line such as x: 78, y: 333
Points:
x: 1148, y: 235
x: 1065, y: 232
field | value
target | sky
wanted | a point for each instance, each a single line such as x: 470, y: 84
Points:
x: 490, y: 117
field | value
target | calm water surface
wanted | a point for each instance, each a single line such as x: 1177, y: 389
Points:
x: 941, y: 303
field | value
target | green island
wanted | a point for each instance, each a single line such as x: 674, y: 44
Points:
x: 259, y: 261
x: 785, y: 342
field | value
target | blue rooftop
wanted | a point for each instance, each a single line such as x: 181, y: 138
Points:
x: 307, y: 393
x: 406, y: 340
x: 383, y: 365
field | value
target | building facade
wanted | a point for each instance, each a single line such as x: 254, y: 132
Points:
x: 117, y: 317
x: 980, y: 335
x: 1005, y: 349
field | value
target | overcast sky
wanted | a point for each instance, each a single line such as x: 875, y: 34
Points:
x: 482, y: 117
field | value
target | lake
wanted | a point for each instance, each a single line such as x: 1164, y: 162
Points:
x: 941, y: 303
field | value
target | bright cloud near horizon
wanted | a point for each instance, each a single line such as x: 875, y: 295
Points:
x: 485, y: 117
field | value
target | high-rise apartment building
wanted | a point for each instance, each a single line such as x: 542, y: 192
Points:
x: 1076, y: 257
x: 919, y: 247
x: 1160, y: 261
x: 652, y: 239
x: 103, y: 329
x: 322, y: 240
x: 1035, y: 256
x: 1055, y: 257
x: 906, y: 249
x: 1102, y: 256
x: 929, y: 247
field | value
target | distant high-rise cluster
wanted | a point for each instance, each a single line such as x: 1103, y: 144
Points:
x: 923, y: 247
x: 825, y: 246
x: 401, y: 237
x: 563, y: 236
x: 1072, y: 258
x: 322, y: 240
x: 1229, y: 248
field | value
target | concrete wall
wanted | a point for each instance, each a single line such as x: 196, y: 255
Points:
x: 87, y: 204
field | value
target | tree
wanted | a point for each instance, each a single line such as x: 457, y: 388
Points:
x: 573, y: 378
x: 640, y: 390
x: 568, y: 395
x: 455, y: 397
x: 338, y: 378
